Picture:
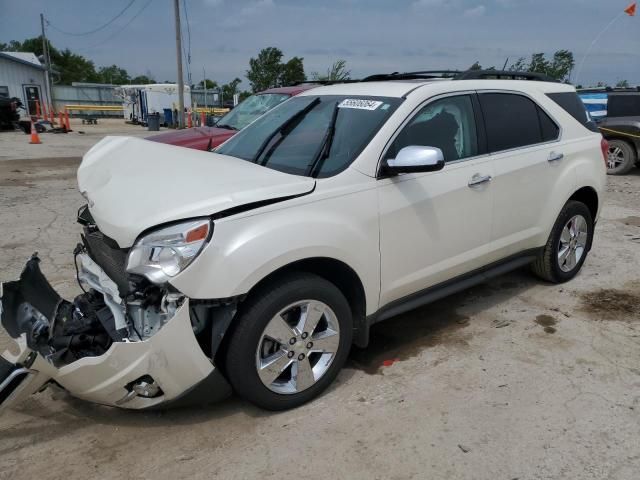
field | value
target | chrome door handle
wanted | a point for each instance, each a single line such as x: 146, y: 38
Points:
x: 554, y: 157
x: 478, y: 179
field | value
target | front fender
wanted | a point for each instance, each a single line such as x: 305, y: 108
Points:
x: 244, y: 250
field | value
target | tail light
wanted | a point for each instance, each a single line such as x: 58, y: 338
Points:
x: 604, y: 145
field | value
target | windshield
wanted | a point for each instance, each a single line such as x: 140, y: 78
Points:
x: 316, y: 136
x: 252, y: 108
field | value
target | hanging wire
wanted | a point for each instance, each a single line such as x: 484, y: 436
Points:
x: 117, y: 32
x: 80, y: 34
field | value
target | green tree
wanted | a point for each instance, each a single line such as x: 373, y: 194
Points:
x: 142, y: 80
x: 264, y: 71
x: 337, y: 72
x: 622, y: 84
x: 211, y: 84
x: 561, y: 65
x: 292, y: 72
x: 67, y: 66
x: 476, y: 66
x: 113, y: 74
x: 231, y: 88
x: 558, y: 67
x: 71, y: 67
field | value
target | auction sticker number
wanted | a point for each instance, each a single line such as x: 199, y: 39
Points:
x: 359, y: 104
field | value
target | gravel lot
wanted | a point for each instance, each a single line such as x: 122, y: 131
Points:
x: 512, y: 379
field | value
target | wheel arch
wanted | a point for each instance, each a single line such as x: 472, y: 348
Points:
x: 335, y: 271
x: 588, y: 196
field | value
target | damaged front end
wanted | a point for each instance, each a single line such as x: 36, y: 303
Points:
x: 123, y: 342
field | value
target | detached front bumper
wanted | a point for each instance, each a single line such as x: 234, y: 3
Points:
x: 167, y: 367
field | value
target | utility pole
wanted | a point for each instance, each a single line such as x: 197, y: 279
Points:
x: 204, y: 83
x: 45, y: 54
x: 176, y: 5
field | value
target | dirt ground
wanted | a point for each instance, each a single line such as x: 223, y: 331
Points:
x: 514, y: 379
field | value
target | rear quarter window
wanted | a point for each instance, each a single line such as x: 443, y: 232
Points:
x: 571, y: 103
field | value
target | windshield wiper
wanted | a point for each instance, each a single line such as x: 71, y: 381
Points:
x: 226, y: 126
x: 285, y: 127
x: 325, y: 146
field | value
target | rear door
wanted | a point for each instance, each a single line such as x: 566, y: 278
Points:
x: 524, y: 143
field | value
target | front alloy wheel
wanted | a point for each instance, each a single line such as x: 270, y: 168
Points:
x: 297, y: 347
x: 288, y: 341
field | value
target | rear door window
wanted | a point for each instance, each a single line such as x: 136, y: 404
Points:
x: 515, y: 121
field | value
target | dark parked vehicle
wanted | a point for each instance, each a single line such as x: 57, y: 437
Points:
x: 9, y: 112
x: 621, y: 128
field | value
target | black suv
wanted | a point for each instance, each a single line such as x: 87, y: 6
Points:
x: 621, y: 128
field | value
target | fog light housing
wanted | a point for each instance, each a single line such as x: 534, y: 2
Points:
x: 146, y: 387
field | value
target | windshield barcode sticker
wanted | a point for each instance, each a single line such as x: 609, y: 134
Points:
x: 359, y: 104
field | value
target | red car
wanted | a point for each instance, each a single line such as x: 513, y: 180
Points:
x: 206, y: 138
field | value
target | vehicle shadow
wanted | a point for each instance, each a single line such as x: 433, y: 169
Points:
x: 439, y: 323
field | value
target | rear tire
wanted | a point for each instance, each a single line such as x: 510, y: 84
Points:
x: 312, y: 321
x: 568, y: 244
x: 621, y: 159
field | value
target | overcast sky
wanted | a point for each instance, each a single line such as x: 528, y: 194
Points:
x: 371, y: 35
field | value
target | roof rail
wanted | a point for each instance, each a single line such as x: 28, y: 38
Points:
x: 426, y: 75
x: 504, y: 75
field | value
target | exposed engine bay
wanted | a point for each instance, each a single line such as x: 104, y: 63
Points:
x: 63, y: 331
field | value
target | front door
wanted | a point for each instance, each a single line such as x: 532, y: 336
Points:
x: 437, y: 225
x: 32, y: 97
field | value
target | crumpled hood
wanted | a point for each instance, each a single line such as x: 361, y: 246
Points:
x: 133, y: 184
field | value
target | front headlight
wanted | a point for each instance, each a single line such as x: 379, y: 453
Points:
x: 164, y: 253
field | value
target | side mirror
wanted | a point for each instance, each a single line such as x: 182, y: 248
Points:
x: 413, y: 159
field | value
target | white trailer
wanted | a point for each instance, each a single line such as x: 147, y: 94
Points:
x: 138, y: 101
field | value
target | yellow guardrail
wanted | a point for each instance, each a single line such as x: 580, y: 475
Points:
x: 211, y: 110
x: 101, y: 108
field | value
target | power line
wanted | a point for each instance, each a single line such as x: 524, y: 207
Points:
x: 117, y: 32
x: 96, y: 29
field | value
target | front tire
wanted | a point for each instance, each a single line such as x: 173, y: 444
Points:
x: 568, y: 244
x: 291, y: 340
x: 621, y: 157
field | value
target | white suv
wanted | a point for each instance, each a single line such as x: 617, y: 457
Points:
x: 257, y: 266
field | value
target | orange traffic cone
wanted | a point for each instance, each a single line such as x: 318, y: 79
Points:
x: 203, y: 119
x: 35, y: 139
x: 189, y: 120
x: 67, y: 124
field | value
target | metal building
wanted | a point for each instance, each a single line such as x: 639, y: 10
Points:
x: 23, y: 76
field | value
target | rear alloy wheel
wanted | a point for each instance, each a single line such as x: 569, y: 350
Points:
x: 568, y: 244
x: 621, y: 157
x: 290, y: 341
